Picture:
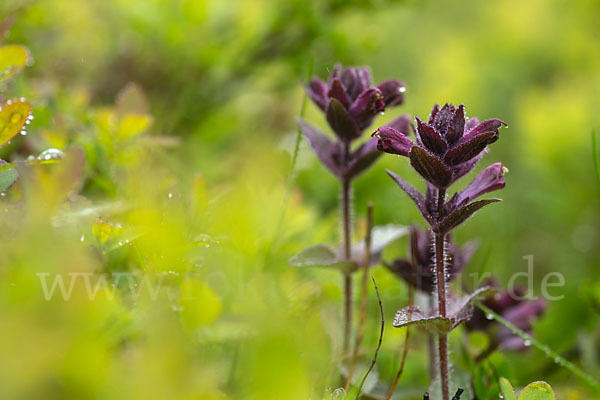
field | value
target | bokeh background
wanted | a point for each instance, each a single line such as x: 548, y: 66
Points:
x: 195, y: 191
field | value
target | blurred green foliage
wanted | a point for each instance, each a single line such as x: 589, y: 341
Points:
x: 176, y: 119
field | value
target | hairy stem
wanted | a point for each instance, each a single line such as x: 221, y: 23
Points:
x: 440, y: 271
x: 347, y: 236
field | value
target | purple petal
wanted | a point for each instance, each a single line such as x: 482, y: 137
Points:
x: 337, y: 92
x: 466, y: 167
x: 430, y: 138
x: 323, y: 147
x: 443, y: 117
x: 434, y: 111
x: 365, y: 78
x: 393, y: 142
x: 488, y: 180
x: 368, y: 104
x: 489, y: 125
x: 470, y: 147
x: 316, y: 89
x: 456, y: 128
x: 351, y: 81
x: 393, y: 92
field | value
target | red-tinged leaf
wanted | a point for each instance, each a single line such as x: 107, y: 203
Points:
x: 13, y: 117
x: 456, y: 128
x: 470, y: 148
x: 459, y: 216
x: 338, y: 92
x: 340, y: 121
x: 430, y: 167
x: 431, y: 138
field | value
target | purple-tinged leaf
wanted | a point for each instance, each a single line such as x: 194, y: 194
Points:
x: 430, y: 167
x: 413, y: 193
x: 338, y: 92
x: 363, y: 158
x: 342, y: 124
x: 321, y: 145
x: 456, y: 128
x: 489, y: 125
x: 393, y: 92
x: 432, y: 115
x: 443, y: 117
x: 392, y: 141
x: 460, y: 215
x: 430, y: 138
x: 466, y: 167
x: 469, y: 148
x: 316, y: 89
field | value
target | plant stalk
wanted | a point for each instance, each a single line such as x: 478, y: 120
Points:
x: 347, y: 242
x: 363, y: 297
x: 440, y: 270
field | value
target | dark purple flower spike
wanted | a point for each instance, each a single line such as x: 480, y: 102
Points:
x: 350, y: 104
x: 447, y: 147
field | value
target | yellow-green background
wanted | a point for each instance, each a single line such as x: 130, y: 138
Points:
x: 225, y: 77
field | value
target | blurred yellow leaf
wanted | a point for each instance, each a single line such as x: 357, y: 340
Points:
x: 132, y: 125
x: 200, y: 305
x: 13, y: 58
x: 13, y: 117
x: 104, y: 231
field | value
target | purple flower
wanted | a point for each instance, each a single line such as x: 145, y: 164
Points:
x: 512, y: 307
x: 418, y: 271
x: 447, y: 146
x: 350, y: 102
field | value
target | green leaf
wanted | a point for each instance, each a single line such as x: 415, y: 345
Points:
x: 13, y: 58
x: 382, y: 235
x: 537, y: 391
x: 7, y: 176
x: 321, y: 255
x: 414, y: 316
x: 132, y: 125
x: 506, y: 389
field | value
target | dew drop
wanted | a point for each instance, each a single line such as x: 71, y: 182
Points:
x: 51, y: 154
x: 402, y: 89
x: 170, y: 195
x: 489, y: 316
x: 82, y: 238
x: 527, y: 343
